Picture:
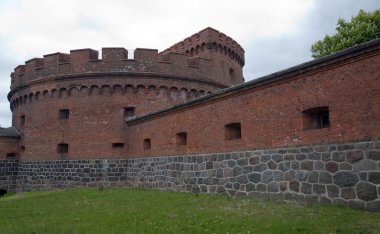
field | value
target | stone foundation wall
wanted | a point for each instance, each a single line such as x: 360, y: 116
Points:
x: 345, y: 174
x: 8, y: 175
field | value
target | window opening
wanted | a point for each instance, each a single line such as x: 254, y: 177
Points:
x: 117, y: 145
x: 232, y: 131
x: 63, y: 148
x: 147, y: 144
x: 316, y: 118
x: 22, y: 120
x: 64, y: 114
x: 129, y: 112
x: 181, y: 138
x: 11, y: 156
x: 232, y: 73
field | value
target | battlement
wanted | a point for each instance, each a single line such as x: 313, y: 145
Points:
x: 114, y: 60
x: 210, y: 39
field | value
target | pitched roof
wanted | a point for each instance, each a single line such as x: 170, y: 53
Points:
x: 9, y: 132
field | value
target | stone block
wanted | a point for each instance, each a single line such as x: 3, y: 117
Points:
x: 273, y: 187
x: 373, y: 206
x: 254, y: 160
x: 313, y: 177
x: 314, y: 156
x: 325, y: 177
x: 237, y: 171
x: 307, y: 165
x: 289, y: 175
x: 261, y: 187
x: 345, y: 179
x: 242, y: 179
x: 247, y: 169
x: 295, y: 165
x: 294, y: 186
x: 344, y: 166
x: 348, y: 193
x: 277, y: 158
x: 283, y: 186
x: 254, y: 177
x: 265, y: 158
x: 374, y: 177
x: 289, y: 157
x: 300, y: 157
x: 332, y: 167
x: 365, y: 165
x: 272, y: 165
x: 332, y: 190
x: 374, y: 155
x: 267, y: 176
x: 260, y: 167
x: 354, y: 156
x: 326, y: 156
x: 366, y: 191
x: 338, y: 156
x: 250, y: 187
x: 319, y: 189
x: 356, y: 204
x: 319, y: 165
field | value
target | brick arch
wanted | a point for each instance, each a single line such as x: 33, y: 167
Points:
x: 37, y: 95
x: 83, y: 91
x: 152, y: 90
x: 94, y: 90
x: 140, y: 89
x: 163, y: 90
x: 74, y: 91
x: 106, y: 90
x: 25, y: 98
x: 30, y: 97
x: 129, y: 89
x: 117, y: 89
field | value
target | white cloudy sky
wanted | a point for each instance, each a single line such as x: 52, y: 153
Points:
x: 275, y: 34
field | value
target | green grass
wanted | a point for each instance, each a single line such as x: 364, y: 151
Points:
x: 144, y: 211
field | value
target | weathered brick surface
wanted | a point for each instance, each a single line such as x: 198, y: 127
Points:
x: 271, y: 114
x: 96, y: 91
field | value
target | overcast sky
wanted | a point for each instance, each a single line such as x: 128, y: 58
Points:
x: 275, y: 34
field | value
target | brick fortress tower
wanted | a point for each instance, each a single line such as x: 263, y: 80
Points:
x: 70, y: 106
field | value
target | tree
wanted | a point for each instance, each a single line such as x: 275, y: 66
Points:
x: 363, y: 27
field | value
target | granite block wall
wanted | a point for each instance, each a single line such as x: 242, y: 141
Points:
x: 8, y: 175
x: 345, y: 174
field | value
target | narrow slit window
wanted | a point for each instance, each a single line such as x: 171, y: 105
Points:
x: 181, y: 138
x: 63, y: 148
x: 232, y: 73
x: 232, y: 131
x: 64, y: 114
x: 316, y: 118
x: 22, y: 120
x: 117, y: 145
x: 147, y: 144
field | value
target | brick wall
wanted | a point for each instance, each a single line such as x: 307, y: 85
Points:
x: 283, y: 109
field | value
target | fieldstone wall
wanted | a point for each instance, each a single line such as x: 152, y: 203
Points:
x: 8, y: 175
x: 345, y: 174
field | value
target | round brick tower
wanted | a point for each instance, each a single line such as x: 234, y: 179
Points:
x: 73, y: 106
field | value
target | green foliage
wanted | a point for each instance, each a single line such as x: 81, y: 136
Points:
x: 143, y: 211
x: 363, y: 27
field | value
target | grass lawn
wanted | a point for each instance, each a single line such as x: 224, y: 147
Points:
x: 146, y: 211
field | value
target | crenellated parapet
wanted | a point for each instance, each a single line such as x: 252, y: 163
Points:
x: 114, y: 61
x: 209, y: 39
